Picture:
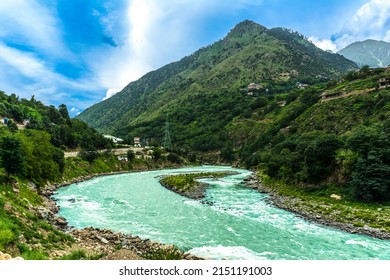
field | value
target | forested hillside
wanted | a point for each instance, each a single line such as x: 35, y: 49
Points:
x: 330, y: 135
x: 33, y: 138
x: 274, y: 59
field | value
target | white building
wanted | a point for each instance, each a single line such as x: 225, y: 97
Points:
x: 114, y: 139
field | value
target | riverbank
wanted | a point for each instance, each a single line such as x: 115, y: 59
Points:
x: 117, y: 246
x: 103, y: 243
x: 334, y: 213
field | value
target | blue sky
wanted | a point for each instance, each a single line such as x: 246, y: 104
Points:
x: 78, y: 52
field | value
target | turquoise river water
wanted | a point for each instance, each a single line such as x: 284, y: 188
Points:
x: 232, y: 222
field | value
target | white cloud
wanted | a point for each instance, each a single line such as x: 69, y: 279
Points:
x: 30, y: 46
x: 25, y: 74
x: 157, y: 33
x: 31, y: 24
x: 371, y: 21
x: 35, y: 69
x: 74, y: 111
x: 325, y: 44
x: 111, y: 92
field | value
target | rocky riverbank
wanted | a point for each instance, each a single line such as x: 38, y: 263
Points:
x: 102, y: 242
x: 118, y: 246
x: 297, y: 206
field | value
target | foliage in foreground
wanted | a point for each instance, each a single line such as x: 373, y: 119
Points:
x: 168, y: 253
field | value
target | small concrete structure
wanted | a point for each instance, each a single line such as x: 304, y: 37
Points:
x: 137, y: 141
x: 114, y: 139
x: 384, y: 82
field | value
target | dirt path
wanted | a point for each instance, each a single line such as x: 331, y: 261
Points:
x: 121, y: 151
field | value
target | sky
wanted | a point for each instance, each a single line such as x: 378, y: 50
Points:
x: 79, y: 52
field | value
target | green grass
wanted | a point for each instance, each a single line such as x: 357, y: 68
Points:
x: 81, y: 255
x: 170, y: 253
x: 21, y: 230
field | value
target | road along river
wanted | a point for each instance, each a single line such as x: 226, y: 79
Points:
x: 231, y: 222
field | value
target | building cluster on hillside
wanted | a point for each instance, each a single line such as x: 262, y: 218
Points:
x: 253, y: 88
x: 114, y: 139
x: 136, y: 140
x: 302, y: 86
x: 384, y: 82
x: 141, y: 151
x: 21, y: 125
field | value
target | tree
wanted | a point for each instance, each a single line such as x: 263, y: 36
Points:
x: 157, y: 154
x: 54, y: 115
x: 89, y: 156
x: 12, y: 126
x: 227, y: 153
x: 370, y: 179
x: 130, y: 155
x: 11, y: 155
x: 44, y: 161
x: 320, y: 157
x: 63, y: 110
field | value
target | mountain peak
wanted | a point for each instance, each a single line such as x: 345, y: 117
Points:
x: 246, y: 26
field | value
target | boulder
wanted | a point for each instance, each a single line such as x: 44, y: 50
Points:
x: 102, y: 239
x: 61, y: 221
x: 7, y: 207
x: 4, y: 257
x: 43, y: 213
x: 32, y: 186
x: 335, y: 196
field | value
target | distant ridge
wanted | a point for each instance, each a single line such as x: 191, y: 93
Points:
x: 369, y: 52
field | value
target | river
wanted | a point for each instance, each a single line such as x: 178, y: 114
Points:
x: 231, y: 222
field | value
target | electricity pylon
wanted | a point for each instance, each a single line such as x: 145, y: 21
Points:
x: 167, y: 144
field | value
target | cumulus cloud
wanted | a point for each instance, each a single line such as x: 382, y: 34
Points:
x: 371, y: 21
x: 156, y: 33
x: 30, y: 46
x: 111, y: 92
x: 25, y: 74
x: 325, y: 44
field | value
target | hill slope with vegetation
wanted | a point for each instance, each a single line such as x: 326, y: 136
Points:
x: 322, y: 140
x: 33, y: 139
x: 266, y: 99
x: 35, y: 150
x: 210, y: 83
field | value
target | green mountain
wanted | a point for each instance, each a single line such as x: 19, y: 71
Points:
x: 370, y: 52
x: 270, y: 100
x: 213, y: 80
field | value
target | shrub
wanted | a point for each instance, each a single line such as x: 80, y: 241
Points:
x: 170, y: 253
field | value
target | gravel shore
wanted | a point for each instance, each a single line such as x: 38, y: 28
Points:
x: 292, y: 204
